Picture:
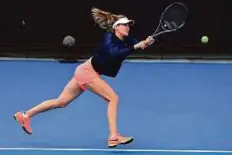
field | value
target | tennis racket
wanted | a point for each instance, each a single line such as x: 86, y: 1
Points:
x: 172, y: 19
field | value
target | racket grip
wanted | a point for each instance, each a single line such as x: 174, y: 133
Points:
x: 150, y: 40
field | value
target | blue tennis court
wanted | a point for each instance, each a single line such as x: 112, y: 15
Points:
x: 171, y: 108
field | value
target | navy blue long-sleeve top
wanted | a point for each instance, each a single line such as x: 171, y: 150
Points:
x: 108, y: 57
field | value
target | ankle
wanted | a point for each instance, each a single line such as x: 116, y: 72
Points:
x: 113, y: 135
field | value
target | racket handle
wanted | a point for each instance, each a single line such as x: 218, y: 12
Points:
x: 151, y: 40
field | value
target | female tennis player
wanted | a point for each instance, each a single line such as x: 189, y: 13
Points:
x: 117, y: 44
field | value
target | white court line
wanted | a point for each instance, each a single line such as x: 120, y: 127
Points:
x: 24, y: 59
x: 129, y: 60
x: 113, y: 150
x: 180, y: 61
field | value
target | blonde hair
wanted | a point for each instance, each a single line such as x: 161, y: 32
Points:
x: 104, y: 19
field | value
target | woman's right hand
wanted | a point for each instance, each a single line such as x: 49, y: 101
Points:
x: 150, y: 40
x: 144, y: 43
x: 141, y: 45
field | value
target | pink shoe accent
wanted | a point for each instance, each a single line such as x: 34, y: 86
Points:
x: 24, y: 121
x: 115, y: 140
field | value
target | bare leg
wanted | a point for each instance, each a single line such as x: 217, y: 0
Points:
x: 70, y: 92
x: 101, y: 88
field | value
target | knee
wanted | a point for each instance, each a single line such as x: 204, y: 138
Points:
x: 114, y: 99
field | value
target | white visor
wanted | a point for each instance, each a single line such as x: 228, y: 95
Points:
x: 124, y: 21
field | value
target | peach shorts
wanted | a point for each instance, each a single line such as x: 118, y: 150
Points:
x: 85, y: 74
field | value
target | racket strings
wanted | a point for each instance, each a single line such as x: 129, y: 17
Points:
x: 169, y: 25
x: 174, y: 16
